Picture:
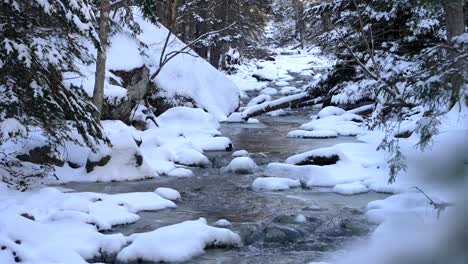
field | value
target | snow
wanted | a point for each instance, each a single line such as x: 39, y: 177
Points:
x: 322, y: 152
x: 330, y: 111
x: 300, y: 218
x: 222, y: 223
x: 279, y: 112
x: 350, y: 188
x: 313, y: 134
x: 269, y: 91
x: 240, y: 153
x: 274, y: 184
x: 235, y: 118
x: 48, y: 226
x: 343, y: 125
x: 289, y: 90
x: 168, y: 193
x: 177, y: 243
x: 180, y: 173
x: 259, y: 99
x: 241, y: 165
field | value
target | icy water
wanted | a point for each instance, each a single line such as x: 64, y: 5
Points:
x: 265, y: 220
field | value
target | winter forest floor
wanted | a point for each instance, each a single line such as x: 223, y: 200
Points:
x: 300, y: 186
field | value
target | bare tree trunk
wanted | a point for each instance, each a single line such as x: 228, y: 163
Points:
x: 98, y: 93
x: 455, y: 18
x: 300, y: 23
x: 326, y: 21
x: 171, y: 15
x: 455, y: 23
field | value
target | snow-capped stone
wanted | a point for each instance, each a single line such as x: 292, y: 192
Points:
x: 180, y: 173
x: 329, y: 111
x: 240, y: 153
x: 350, y: 188
x: 275, y: 184
x: 168, y: 193
x: 222, y: 223
x: 241, y: 165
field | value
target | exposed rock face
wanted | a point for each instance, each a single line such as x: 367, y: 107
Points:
x: 160, y: 103
x: 41, y: 155
x: 116, y: 109
x: 320, y: 160
x: 90, y: 165
x: 136, y: 82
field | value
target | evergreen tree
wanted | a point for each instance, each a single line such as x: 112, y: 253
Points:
x: 40, y: 40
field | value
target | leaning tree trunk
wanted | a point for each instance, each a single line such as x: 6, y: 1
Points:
x: 98, y: 94
x: 455, y: 25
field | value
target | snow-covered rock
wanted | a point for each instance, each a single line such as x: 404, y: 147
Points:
x: 279, y: 112
x: 240, y: 153
x: 323, y: 156
x: 177, y: 243
x: 330, y: 111
x: 241, y: 165
x: 269, y: 91
x: 168, y: 193
x: 274, y: 184
x: 222, y: 223
x: 180, y: 173
x: 350, y: 188
x: 313, y: 134
x: 259, y: 99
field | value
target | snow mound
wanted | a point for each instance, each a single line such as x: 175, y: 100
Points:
x: 241, y: 165
x: 168, y: 193
x: 177, y: 243
x: 180, y: 173
x: 240, y: 153
x: 259, y: 99
x: 330, y: 111
x: 313, y: 156
x: 275, y: 113
x: 274, y: 184
x: 269, y: 91
x: 193, y: 119
x: 350, y: 188
x: 313, y: 134
x: 235, y: 118
x: 222, y: 223
x: 347, y: 124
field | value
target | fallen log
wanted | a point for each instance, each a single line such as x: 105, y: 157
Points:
x: 291, y: 101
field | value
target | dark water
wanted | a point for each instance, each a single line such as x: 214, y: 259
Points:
x: 265, y: 220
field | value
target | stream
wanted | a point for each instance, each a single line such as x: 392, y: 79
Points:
x: 265, y: 220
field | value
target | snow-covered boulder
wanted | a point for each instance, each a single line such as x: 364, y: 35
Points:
x: 313, y: 134
x: 321, y: 157
x: 350, y: 188
x: 241, y: 165
x: 180, y: 173
x: 329, y: 111
x: 168, y: 193
x: 177, y: 243
x: 275, y: 184
x: 222, y: 223
x: 240, y: 153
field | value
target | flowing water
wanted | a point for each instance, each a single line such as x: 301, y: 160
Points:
x: 265, y: 220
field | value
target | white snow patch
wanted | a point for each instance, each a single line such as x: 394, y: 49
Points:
x: 274, y: 184
x: 168, y: 193
x: 241, y: 165
x: 177, y: 243
x: 350, y: 188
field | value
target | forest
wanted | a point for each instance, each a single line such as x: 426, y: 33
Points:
x: 234, y: 131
